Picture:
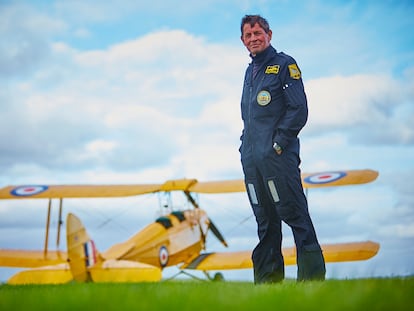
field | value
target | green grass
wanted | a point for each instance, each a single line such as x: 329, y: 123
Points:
x: 359, y: 294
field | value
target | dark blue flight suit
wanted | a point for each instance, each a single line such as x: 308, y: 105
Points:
x: 274, y: 110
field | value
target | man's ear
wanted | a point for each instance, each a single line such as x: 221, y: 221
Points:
x: 270, y: 35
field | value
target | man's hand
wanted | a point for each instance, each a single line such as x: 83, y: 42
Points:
x: 277, y: 148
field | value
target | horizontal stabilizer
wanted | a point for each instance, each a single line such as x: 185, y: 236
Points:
x: 242, y: 260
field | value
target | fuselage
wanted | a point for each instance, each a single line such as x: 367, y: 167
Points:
x: 172, y: 239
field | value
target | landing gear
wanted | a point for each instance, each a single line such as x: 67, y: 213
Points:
x: 218, y: 277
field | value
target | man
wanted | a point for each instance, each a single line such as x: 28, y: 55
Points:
x: 274, y: 110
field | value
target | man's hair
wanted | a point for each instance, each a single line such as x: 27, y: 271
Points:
x: 252, y: 20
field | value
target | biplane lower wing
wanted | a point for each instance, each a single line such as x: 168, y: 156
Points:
x: 110, y: 271
x: 341, y: 252
x: 56, y: 274
x: 30, y: 258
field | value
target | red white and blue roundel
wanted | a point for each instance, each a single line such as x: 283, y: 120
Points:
x: 164, y: 256
x: 26, y: 191
x: 324, y: 178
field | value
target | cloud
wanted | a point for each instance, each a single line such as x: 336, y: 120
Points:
x: 24, y: 45
x: 104, y: 10
x: 173, y: 91
x: 143, y: 102
x: 363, y: 106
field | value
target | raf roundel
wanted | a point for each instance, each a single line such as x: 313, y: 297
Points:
x: 164, y: 256
x: 324, y: 178
x: 26, y: 191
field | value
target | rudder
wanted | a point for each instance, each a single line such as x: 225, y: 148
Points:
x: 82, y: 253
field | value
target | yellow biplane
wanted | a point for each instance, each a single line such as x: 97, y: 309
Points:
x: 176, y: 239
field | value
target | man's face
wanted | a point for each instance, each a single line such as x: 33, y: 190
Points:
x: 255, y: 39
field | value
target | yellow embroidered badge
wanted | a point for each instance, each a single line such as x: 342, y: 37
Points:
x: 272, y: 69
x: 294, y: 71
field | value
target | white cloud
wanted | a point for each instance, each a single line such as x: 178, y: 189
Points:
x: 399, y: 231
x: 345, y: 101
x: 371, y: 109
x: 24, y: 43
x: 159, y: 92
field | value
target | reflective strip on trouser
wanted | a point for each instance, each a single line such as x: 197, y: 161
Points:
x: 273, y: 191
x: 252, y: 193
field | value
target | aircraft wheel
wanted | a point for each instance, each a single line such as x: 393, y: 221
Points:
x: 218, y: 277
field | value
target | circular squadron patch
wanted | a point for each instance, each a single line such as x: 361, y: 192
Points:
x: 263, y: 98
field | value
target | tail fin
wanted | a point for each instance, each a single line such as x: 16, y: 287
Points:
x: 82, y: 253
x: 86, y: 264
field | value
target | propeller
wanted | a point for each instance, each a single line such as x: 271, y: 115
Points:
x: 217, y: 233
x: 211, y: 225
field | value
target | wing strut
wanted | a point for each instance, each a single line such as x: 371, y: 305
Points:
x: 59, y: 224
x: 47, y: 228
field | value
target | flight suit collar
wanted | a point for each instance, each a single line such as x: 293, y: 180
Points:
x: 261, y: 57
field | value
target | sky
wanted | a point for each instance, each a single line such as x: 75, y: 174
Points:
x: 95, y: 92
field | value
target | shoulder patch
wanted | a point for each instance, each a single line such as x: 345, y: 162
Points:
x: 272, y: 69
x: 294, y: 71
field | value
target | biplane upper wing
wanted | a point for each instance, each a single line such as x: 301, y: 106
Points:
x: 75, y: 191
x: 315, y: 180
x: 324, y: 179
x: 338, y: 178
x: 222, y: 186
x: 340, y: 252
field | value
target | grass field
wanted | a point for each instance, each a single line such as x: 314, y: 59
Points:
x: 358, y: 294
